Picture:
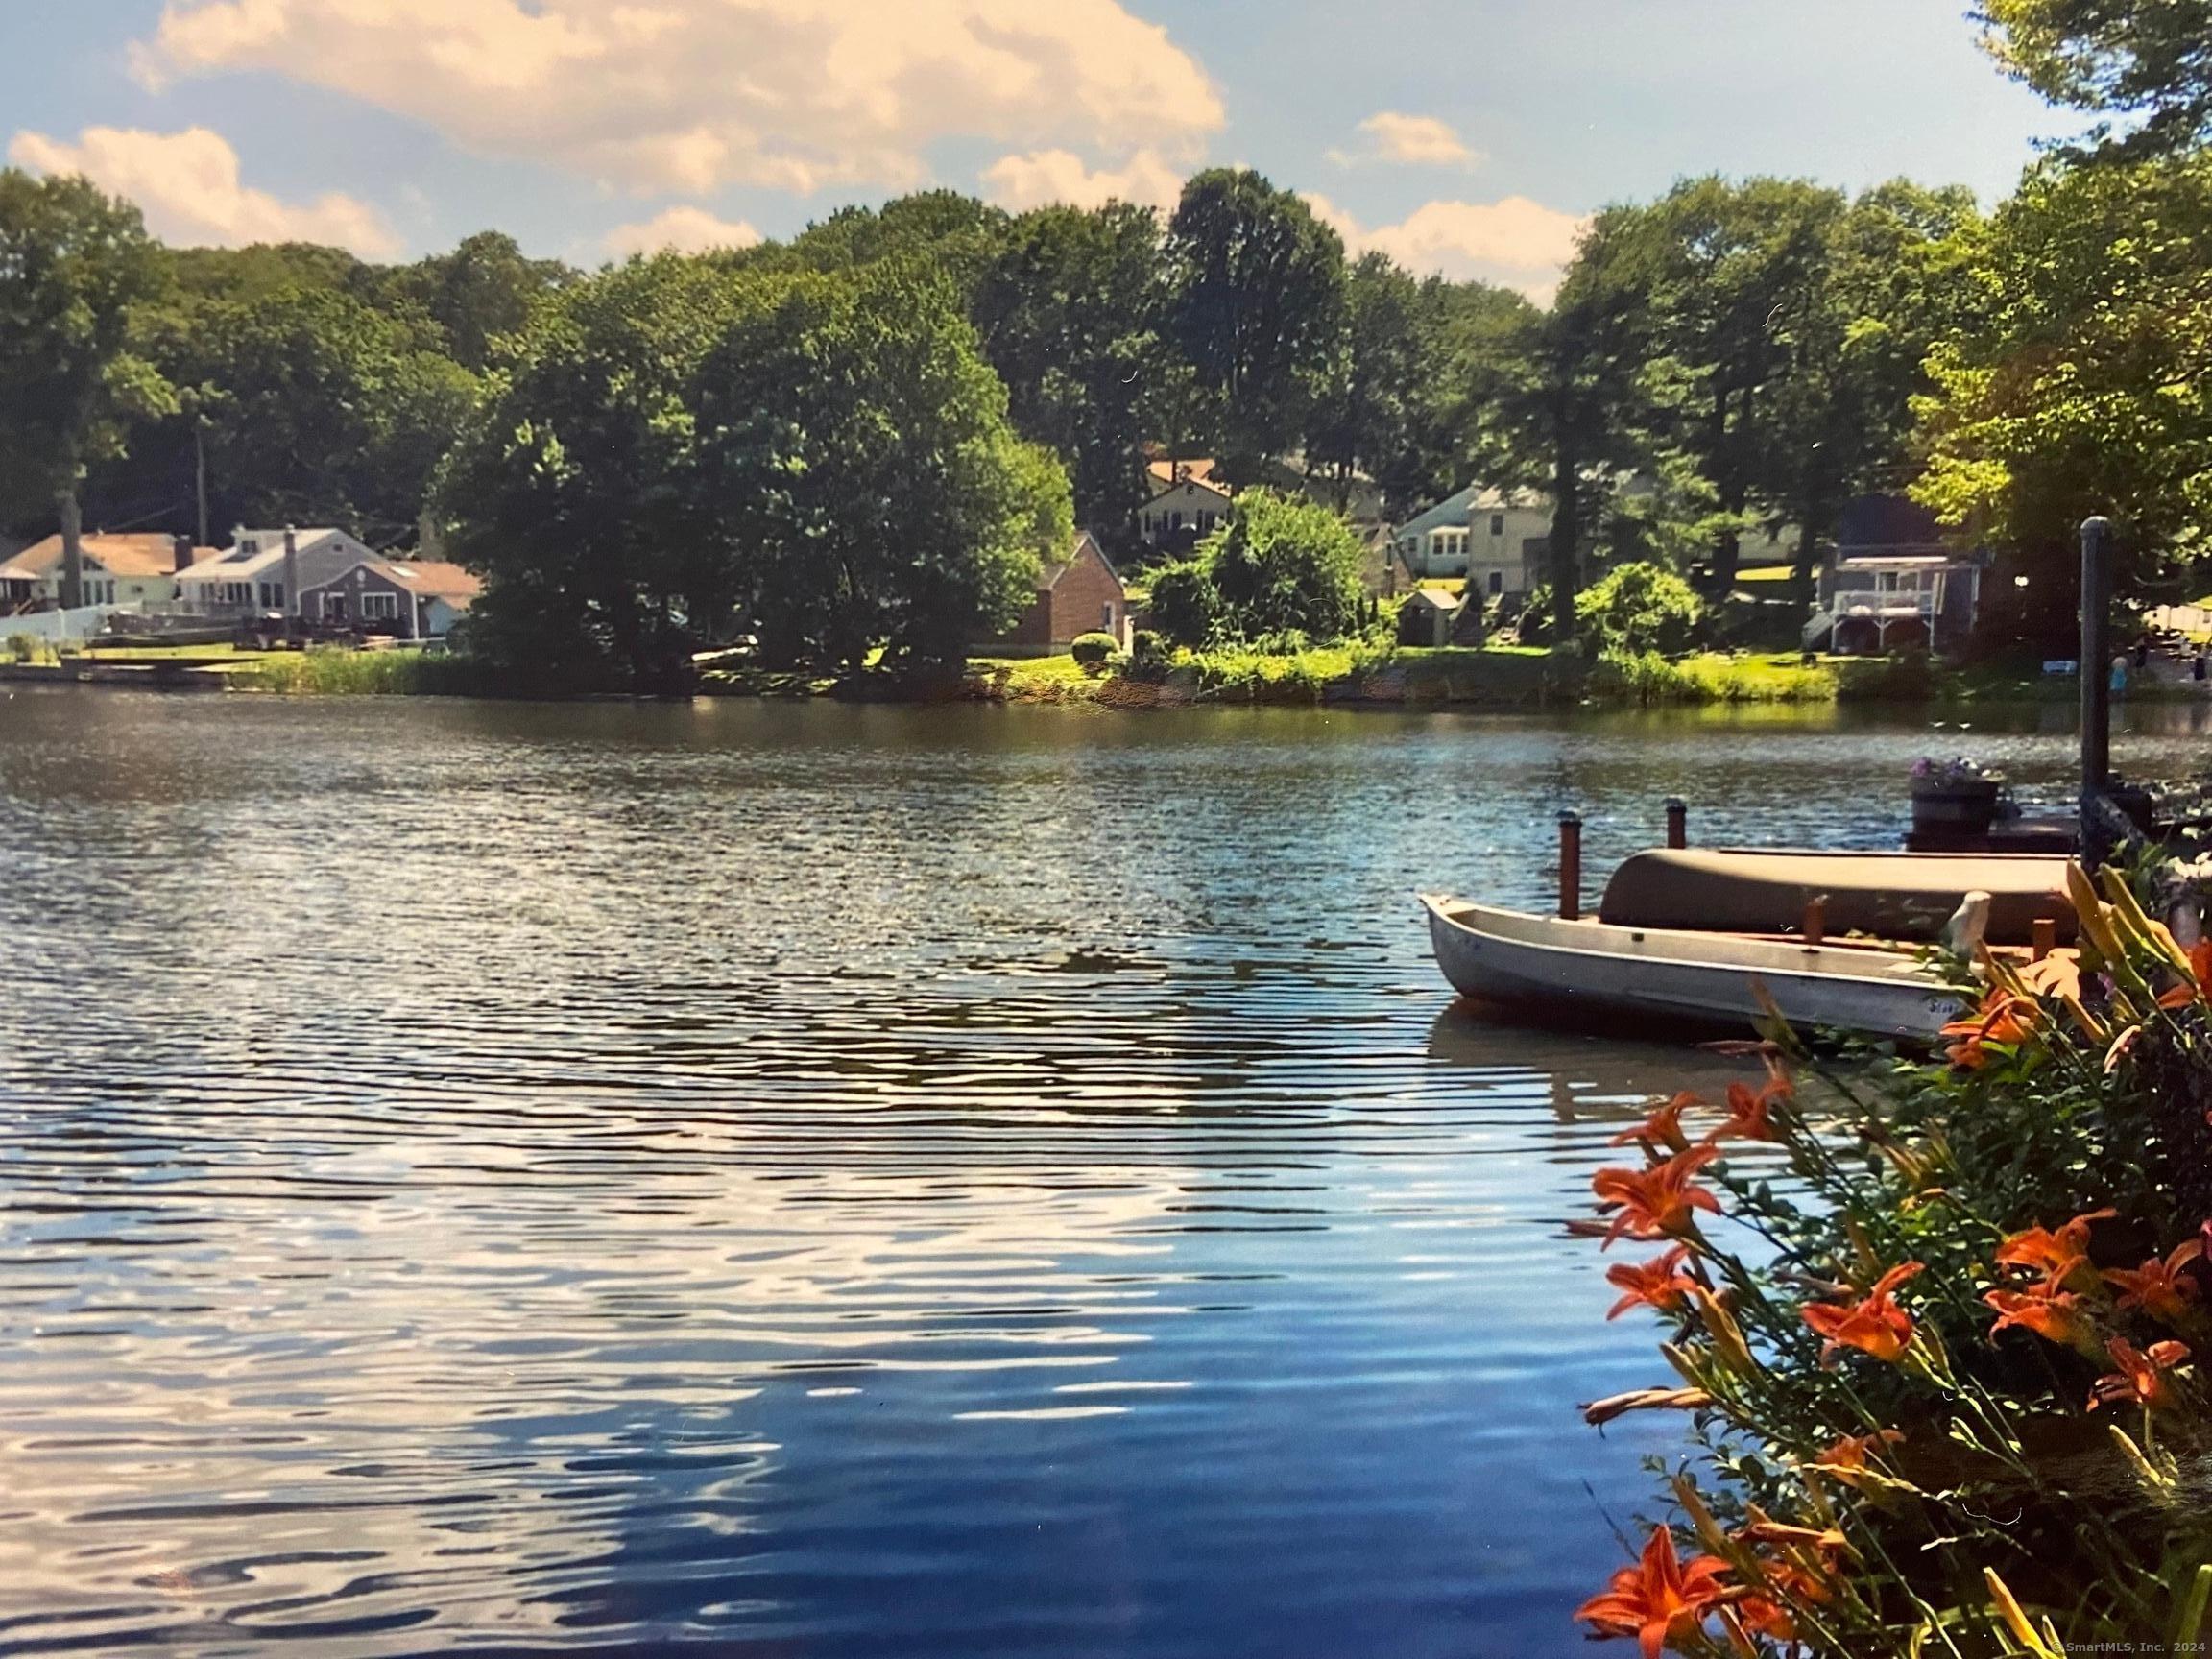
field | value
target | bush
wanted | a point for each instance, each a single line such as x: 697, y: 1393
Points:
x: 1283, y: 564
x: 23, y: 647
x: 1947, y: 1391
x: 1640, y: 608
x: 1186, y: 607
x: 1092, y: 651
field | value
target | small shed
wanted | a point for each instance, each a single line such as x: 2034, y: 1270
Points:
x: 1427, y: 616
x: 1079, y: 594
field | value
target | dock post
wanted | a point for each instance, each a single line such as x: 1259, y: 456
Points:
x: 1571, y: 866
x: 2044, y: 930
x: 2095, y: 688
x: 1677, y: 822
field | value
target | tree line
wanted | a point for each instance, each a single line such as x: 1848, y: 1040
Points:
x: 867, y: 436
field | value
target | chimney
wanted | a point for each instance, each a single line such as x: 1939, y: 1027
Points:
x: 181, y: 553
x: 291, y: 576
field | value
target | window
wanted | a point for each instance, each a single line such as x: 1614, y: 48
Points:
x: 1106, y: 617
x: 276, y: 595
x: 1497, y: 523
x: 379, y: 607
x: 1497, y: 581
x: 333, y: 607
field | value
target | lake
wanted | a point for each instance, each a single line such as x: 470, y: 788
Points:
x: 827, y: 1181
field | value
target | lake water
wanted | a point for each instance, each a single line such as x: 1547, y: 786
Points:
x: 808, y: 1180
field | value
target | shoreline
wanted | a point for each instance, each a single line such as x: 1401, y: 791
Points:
x: 1484, y: 680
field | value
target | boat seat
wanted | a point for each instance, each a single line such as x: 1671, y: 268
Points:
x: 1905, y: 896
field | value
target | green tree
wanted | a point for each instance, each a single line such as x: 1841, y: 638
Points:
x: 1640, y: 608
x: 1283, y: 564
x: 483, y: 291
x: 1740, y: 278
x: 576, y: 490
x: 867, y: 475
x: 1571, y: 399
x: 314, y: 407
x: 1070, y: 314
x: 76, y: 267
x: 1895, y: 281
x: 1258, y: 309
x: 2087, y: 384
x: 1364, y: 419
x: 2147, y: 61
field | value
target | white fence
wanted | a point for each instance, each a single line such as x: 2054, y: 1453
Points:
x: 55, y: 627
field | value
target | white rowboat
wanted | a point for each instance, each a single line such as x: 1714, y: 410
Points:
x: 1590, y: 968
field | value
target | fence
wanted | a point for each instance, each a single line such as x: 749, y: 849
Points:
x: 56, y: 627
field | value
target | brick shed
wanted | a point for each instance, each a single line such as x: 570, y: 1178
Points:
x: 1080, y: 595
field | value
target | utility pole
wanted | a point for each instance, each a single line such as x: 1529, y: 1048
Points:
x: 200, y: 471
x: 72, y: 548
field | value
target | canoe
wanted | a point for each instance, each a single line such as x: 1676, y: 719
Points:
x: 1592, y: 970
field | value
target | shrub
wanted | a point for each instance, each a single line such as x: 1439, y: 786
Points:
x: 23, y: 647
x: 1283, y: 564
x: 1946, y: 1391
x: 1186, y: 607
x: 1640, y: 608
x: 1092, y: 651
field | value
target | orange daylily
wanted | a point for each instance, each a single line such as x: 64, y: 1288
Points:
x: 1855, y: 1452
x: 1662, y: 1128
x: 1660, y: 1202
x: 1749, y: 1112
x: 2160, y: 1288
x: 2199, y: 987
x: 1874, y: 1324
x: 1659, y: 1599
x: 2055, y: 1255
x: 2055, y: 1315
x: 2003, y: 1017
x: 1658, y: 1283
x: 2141, y: 1374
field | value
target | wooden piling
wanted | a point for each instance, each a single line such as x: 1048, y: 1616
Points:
x: 1571, y: 866
x: 1677, y: 822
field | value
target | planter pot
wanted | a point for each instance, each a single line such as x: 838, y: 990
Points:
x: 1969, y: 805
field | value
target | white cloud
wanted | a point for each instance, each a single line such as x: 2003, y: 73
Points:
x: 684, y: 229
x: 1047, y: 176
x: 691, y: 95
x: 1410, y: 140
x: 1514, y: 242
x: 187, y: 185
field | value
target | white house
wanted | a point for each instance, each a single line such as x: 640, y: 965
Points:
x: 247, y: 578
x: 130, y: 572
x: 1494, y: 538
x: 1184, y: 510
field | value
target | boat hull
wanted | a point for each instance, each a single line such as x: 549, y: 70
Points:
x: 1591, y: 972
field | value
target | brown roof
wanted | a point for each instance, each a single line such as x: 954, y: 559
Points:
x: 127, y: 556
x: 1169, y: 472
x: 440, y: 578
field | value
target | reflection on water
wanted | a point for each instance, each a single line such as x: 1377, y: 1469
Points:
x: 817, y: 1180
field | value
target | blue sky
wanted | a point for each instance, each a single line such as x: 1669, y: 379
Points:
x: 1463, y: 135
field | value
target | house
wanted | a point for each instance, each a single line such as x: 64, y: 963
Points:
x: 247, y: 578
x: 1187, y: 506
x: 1494, y: 538
x: 406, y: 598
x: 1079, y: 594
x: 1384, y: 573
x: 133, y: 572
x: 1891, y: 581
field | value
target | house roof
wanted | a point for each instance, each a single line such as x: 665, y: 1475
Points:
x: 126, y: 556
x: 1166, y: 473
x: 432, y: 578
x: 1890, y: 523
x: 1048, y: 578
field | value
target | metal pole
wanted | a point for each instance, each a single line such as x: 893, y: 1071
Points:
x: 1677, y: 822
x: 2096, y: 686
x: 1571, y: 866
